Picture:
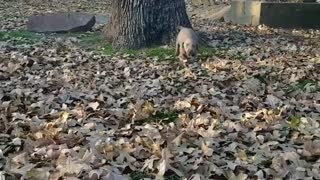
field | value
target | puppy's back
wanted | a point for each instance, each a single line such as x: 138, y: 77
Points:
x: 186, y: 33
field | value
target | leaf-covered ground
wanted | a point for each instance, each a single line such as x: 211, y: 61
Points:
x: 71, y: 107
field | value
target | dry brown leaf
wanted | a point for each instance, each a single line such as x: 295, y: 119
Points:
x: 94, y: 105
x: 71, y: 108
x: 312, y: 148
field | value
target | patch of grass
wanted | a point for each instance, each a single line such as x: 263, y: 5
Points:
x: 160, y: 53
x: 172, y: 177
x: 301, y: 85
x: 17, y: 34
x: 20, y: 36
x: 108, y: 49
x: 137, y: 175
x: 239, y: 56
x: 294, y: 121
x: 204, y: 72
x: 92, y: 38
x: 130, y: 53
x: 261, y: 78
x: 160, y: 116
x: 207, y: 52
x: 166, y: 117
x: 156, y: 53
x: 94, y: 41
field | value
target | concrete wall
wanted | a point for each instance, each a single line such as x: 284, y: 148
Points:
x: 290, y: 15
x: 285, y: 15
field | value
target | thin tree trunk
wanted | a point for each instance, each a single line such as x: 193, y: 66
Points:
x: 141, y: 23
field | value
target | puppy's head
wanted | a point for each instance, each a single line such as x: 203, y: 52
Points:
x: 190, y: 47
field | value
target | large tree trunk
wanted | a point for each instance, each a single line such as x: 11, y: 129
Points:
x: 141, y: 23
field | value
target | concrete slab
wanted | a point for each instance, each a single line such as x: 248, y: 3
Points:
x: 245, y: 12
x: 202, y: 2
x: 253, y: 9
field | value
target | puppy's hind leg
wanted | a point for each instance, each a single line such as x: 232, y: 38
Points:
x: 182, y: 52
x: 182, y: 56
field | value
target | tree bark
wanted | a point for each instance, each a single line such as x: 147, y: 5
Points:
x: 140, y: 23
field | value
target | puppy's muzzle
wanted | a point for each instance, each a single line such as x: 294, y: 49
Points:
x: 192, y: 53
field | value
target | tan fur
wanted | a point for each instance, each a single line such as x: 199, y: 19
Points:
x: 187, y: 44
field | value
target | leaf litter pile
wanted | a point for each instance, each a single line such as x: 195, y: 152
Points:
x: 251, y: 110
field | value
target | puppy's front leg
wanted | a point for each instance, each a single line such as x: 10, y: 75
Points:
x: 182, y: 55
x: 193, y: 59
x: 177, y: 48
x: 195, y: 55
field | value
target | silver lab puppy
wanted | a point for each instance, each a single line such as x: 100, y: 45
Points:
x: 187, y: 44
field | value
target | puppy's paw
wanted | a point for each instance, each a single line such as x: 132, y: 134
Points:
x: 183, y: 59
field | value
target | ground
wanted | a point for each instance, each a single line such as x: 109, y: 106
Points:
x: 71, y: 106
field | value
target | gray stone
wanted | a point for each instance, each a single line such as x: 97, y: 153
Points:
x: 61, y: 22
x: 101, y: 19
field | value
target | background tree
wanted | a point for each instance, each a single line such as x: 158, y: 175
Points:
x: 141, y: 23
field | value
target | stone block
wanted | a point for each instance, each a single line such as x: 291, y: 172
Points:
x: 61, y: 22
